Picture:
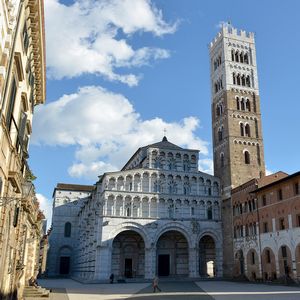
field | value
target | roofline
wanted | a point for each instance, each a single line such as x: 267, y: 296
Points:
x: 130, y: 158
x: 278, y: 181
x: 92, y: 187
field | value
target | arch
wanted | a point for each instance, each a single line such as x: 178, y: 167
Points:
x: 174, y: 226
x: 222, y: 159
x: 237, y: 103
x: 252, y: 265
x: 242, y: 131
x: 246, y: 157
x: 68, y: 229
x: 239, y: 264
x: 269, y: 264
x: 130, y: 226
x: 207, y: 256
x: 285, y: 261
x: 128, y: 255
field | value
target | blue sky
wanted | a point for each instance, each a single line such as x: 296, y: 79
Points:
x: 119, y: 72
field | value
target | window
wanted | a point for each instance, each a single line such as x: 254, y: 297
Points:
x: 25, y: 38
x: 128, y: 211
x: 279, y: 194
x: 237, y: 103
x: 247, y: 130
x: 268, y: 256
x: 11, y: 104
x: 209, y: 213
x: 296, y: 188
x: 68, y: 227
x: 264, y: 200
x: 247, y: 157
x: 281, y: 224
x: 265, y: 227
x: 252, y: 258
x: 283, y: 251
x: 242, y: 129
x: 192, y: 211
x: 222, y: 159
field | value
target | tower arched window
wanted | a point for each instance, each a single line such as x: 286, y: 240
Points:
x: 238, y: 79
x: 248, y: 83
x: 242, y: 129
x: 68, y: 227
x: 237, y: 56
x: 209, y: 212
x: 238, y: 103
x: 242, y: 57
x: 248, y: 107
x: 243, y: 80
x: 243, y: 106
x: 220, y: 133
x: 246, y: 59
x: 232, y: 55
x: 233, y: 78
x: 222, y: 159
x: 247, y: 157
x: 247, y: 130
x: 256, y: 128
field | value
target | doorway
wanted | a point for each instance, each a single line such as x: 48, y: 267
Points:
x: 64, y: 267
x: 128, y: 267
x: 163, y: 265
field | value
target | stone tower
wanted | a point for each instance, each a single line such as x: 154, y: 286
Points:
x: 236, y: 119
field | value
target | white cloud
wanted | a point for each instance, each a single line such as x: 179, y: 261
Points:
x: 106, y: 130
x: 206, y: 165
x: 46, y: 208
x: 91, y: 36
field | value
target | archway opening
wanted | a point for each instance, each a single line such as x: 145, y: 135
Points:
x: 207, y: 257
x: 172, y: 254
x: 128, y: 255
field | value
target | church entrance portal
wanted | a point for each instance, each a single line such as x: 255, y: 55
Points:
x: 128, y: 255
x: 207, y: 255
x: 172, y: 254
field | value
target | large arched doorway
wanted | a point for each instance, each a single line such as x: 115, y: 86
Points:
x: 285, y: 262
x: 207, y: 257
x: 172, y: 254
x: 128, y: 255
x: 252, y: 265
x: 298, y: 261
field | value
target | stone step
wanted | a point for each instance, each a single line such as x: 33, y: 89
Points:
x: 32, y: 292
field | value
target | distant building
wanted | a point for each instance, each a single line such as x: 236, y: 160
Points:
x: 236, y: 120
x: 22, y: 87
x: 158, y: 215
x: 63, y: 238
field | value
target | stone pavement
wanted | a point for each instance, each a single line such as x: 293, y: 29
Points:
x: 67, y: 289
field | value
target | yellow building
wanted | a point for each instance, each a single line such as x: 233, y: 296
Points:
x: 22, y: 87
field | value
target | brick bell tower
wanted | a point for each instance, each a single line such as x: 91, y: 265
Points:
x: 236, y: 119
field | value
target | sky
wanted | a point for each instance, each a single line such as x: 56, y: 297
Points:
x: 119, y: 72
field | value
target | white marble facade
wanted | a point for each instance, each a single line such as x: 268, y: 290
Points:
x: 158, y: 215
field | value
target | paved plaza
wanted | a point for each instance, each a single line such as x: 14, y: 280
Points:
x: 67, y: 289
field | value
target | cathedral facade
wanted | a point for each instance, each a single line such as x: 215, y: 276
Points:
x: 157, y: 216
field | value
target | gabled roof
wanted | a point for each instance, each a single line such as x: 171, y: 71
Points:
x: 164, y: 144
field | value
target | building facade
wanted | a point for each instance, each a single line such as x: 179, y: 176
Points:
x: 236, y: 120
x: 63, y: 237
x: 158, y: 215
x: 22, y: 86
x: 267, y: 228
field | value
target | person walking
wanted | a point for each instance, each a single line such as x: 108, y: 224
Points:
x: 155, y: 284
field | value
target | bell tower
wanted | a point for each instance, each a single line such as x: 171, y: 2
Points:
x: 236, y: 118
